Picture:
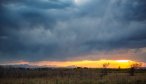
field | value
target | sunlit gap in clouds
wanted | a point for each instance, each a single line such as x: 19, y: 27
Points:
x: 122, y: 60
x: 80, y: 2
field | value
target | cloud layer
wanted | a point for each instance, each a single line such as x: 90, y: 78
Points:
x: 36, y: 30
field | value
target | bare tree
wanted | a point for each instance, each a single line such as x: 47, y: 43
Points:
x: 104, y: 70
x: 105, y: 65
x: 133, y: 67
x: 136, y: 65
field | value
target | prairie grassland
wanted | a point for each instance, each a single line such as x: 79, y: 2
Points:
x: 73, y: 77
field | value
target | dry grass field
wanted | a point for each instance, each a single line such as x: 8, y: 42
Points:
x: 70, y: 76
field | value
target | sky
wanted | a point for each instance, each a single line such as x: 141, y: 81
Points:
x: 34, y: 31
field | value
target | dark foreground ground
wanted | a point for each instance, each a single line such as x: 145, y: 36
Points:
x: 69, y: 76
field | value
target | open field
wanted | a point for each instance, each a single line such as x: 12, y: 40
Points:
x: 70, y: 76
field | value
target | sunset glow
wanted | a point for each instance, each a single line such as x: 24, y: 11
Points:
x: 84, y: 63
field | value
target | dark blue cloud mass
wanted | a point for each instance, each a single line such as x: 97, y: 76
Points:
x: 35, y: 30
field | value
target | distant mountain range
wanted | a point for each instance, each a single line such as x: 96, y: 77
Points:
x: 35, y: 66
x: 27, y: 66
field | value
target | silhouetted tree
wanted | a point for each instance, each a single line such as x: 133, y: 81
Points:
x: 119, y: 67
x: 133, y: 67
x: 104, y: 70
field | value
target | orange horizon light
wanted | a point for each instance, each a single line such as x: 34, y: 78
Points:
x: 84, y: 63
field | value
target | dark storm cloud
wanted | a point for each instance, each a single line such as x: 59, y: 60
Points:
x: 37, y: 30
x: 29, y: 12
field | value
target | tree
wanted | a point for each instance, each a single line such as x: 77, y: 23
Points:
x: 133, y: 67
x: 136, y: 65
x: 105, y: 65
x: 105, y: 70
